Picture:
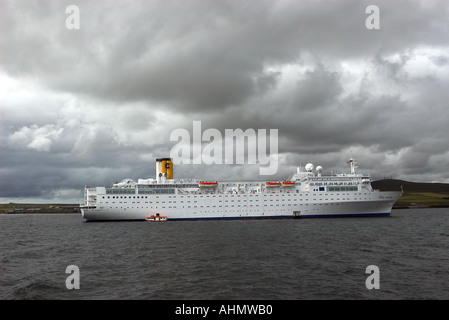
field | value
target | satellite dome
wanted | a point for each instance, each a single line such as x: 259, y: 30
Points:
x: 309, y: 167
x: 319, y: 169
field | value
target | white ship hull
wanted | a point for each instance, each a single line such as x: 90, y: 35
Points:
x: 305, y: 195
x: 251, y: 207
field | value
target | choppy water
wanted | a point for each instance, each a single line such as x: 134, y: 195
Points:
x: 257, y: 259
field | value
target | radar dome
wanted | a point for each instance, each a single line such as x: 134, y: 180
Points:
x: 309, y: 167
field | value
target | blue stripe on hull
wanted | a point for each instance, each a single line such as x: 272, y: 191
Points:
x: 232, y: 218
x: 385, y: 214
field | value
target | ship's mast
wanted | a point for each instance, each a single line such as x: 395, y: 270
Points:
x: 353, y: 165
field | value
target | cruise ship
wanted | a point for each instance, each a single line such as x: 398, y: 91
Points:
x: 306, y: 194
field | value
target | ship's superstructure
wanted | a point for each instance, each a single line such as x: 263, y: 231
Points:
x: 305, y: 194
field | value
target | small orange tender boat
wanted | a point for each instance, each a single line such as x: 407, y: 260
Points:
x: 156, y: 218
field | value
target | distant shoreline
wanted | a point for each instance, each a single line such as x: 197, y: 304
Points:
x: 418, y: 207
x: 24, y: 208
x: 30, y: 208
x: 416, y: 196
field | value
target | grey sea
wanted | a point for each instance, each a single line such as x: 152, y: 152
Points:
x: 324, y: 259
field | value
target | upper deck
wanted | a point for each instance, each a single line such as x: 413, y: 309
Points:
x: 301, y: 181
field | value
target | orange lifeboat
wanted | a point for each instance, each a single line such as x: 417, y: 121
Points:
x: 208, y: 183
x: 273, y: 184
x: 288, y: 183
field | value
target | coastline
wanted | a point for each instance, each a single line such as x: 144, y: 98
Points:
x: 418, y: 207
x: 416, y: 196
x: 30, y: 208
x: 412, y: 200
x: 34, y: 208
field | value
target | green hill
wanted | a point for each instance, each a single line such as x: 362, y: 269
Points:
x: 416, y: 194
x: 395, y: 185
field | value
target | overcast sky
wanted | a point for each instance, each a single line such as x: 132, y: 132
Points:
x: 94, y: 105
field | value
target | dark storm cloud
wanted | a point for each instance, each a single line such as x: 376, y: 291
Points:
x: 93, y: 105
x: 198, y: 55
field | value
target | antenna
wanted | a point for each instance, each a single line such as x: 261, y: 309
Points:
x: 354, y: 164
